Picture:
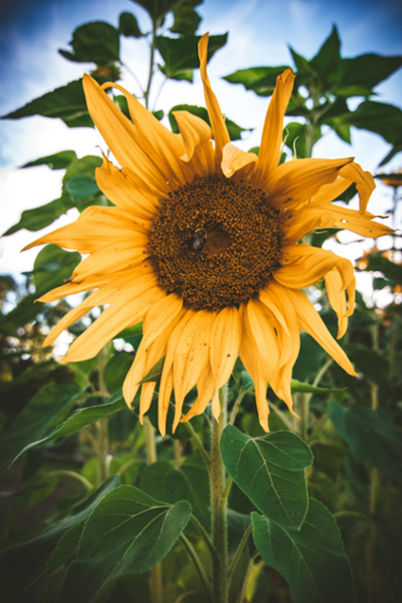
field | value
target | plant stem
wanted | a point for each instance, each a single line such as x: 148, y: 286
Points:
x: 73, y: 474
x: 102, y: 424
x: 155, y: 574
x: 238, y: 552
x: 220, y: 590
x: 151, y: 65
x: 204, y: 535
x: 197, y: 442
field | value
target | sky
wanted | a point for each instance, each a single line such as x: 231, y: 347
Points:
x: 31, y: 32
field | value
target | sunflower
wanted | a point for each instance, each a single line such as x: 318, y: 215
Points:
x: 201, y: 245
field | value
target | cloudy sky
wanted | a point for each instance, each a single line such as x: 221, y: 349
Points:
x: 259, y: 33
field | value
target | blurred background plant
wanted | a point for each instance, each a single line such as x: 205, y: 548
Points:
x: 68, y: 441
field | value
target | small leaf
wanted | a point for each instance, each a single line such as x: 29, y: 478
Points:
x: 67, y: 102
x: 79, y: 419
x: 260, y: 80
x: 39, y: 217
x: 180, y: 55
x: 50, y: 405
x: 97, y: 42
x: 79, y: 179
x: 362, y: 73
x: 157, y: 9
x: 328, y: 58
x: 186, y: 19
x: 373, y: 364
x: 312, y: 560
x: 371, y: 436
x: 270, y: 471
x: 154, y: 374
x: 128, y: 26
x: 299, y: 387
x: 57, y: 161
x: 52, y: 267
x: 129, y: 532
x: 116, y: 370
x: 381, y: 118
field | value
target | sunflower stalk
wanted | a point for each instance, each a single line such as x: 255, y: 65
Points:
x: 102, y: 424
x: 220, y: 583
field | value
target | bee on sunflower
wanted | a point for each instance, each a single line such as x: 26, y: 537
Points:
x: 202, y: 246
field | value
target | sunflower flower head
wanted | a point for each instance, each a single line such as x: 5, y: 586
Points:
x: 201, y: 245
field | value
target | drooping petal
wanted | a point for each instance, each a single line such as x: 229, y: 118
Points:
x: 327, y: 215
x: 225, y: 343
x: 311, y: 323
x: 235, y: 160
x: 219, y: 129
x: 268, y: 157
x: 299, y: 179
x: 364, y: 182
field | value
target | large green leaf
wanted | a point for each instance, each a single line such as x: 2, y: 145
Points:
x: 129, y: 532
x: 23, y: 564
x: 52, y: 266
x: 271, y: 472
x: 97, y: 42
x: 259, y: 79
x: 50, y: 405
x: 234, y: 129
x: 180, y: 55
x: 170, y: 484
x: 381, y: 118
x: 371, y: 436
x: 67, y: 103
x: 362, y: 73
x: 79, y: 419
x: 311, y: 559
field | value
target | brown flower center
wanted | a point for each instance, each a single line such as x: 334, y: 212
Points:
x: 215, y: 242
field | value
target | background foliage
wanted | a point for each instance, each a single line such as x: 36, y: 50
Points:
x: 90, y: 511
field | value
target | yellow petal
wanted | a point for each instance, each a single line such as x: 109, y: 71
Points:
x: 299, y: 179
x: 110, y: 258
x: 234, y: 160
x: 225, y: 343
x: 120, y: 191
x: 219, y: 130
x: 120, y: 134
x: 206, y: 388
x: 311, y: 323
x: 364, y: 182
x: 127, y: 309
x: 269, y: 154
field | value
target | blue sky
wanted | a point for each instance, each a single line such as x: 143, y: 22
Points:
x: 259, y: 33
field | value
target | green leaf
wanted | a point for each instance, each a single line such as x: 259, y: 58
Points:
x: 165, y: 482
x: 66, y: 102
x: 260, y: 80
x: 39, y: 217
x: 129, y: 532
x: 157, y: 9
x: 371, y: 436
x: 299, y: 387
x: 362, y: 73
x: 154, y: 374
x: 128, y: 26
x: 234, y: 129
x: 379, y: 263
x: 52, y: 267
x: 381, y: 118
x: 186, y: 19
x: 312, y: 560
x: 27, y: 560
x: 116, y: 370
x: 180, y: 55
x: 97, y: 42
x: 57, y: 161
x: 79, y: 179
x: 270, y: 471
x: 328, y: 58
x: 79, y: 419
x: 50, y: 405
x: 373, y: 364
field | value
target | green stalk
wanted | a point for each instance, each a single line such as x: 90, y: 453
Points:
x: 220, y: 584
x: 102, y: 424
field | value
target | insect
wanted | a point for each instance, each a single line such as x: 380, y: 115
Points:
x: 198, y: 239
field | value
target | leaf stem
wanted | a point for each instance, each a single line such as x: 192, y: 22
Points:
x: 151, y: 65
x: 198, y: 443
x: 204, y: 534
x: 198, y: 563
x: 238, y: 552
x: 86, y: 483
